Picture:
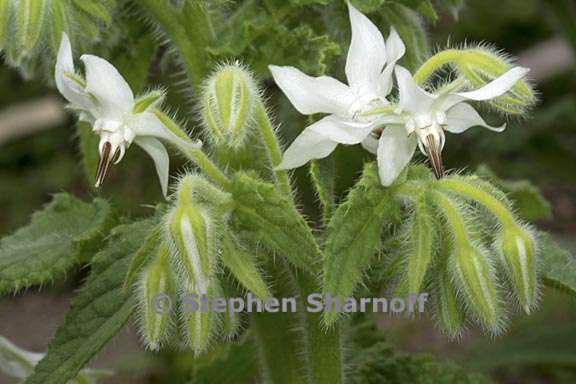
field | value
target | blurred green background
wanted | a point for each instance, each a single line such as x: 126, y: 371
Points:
x: 42, y: 158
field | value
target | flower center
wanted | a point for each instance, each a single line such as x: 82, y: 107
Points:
x: 115, y: 137
x: 425, y: 125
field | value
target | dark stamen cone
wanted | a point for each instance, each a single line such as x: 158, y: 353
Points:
x: 435, y: 156
x: 104, y: 164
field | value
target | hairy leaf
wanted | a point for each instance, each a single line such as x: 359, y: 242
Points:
x: 354, y: 235
x: 55, y: 241
x: 323, y: 173
x: 97, y: 313
x: 275, y: 221
x: 558, y: 266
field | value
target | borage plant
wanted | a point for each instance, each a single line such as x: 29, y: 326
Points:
x: 231, y: 226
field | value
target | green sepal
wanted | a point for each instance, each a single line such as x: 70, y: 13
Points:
x: 242, y: 265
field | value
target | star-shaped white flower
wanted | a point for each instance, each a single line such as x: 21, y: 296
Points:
x: 106, y: 101
x: 369, y: 68
x: 423, y: 117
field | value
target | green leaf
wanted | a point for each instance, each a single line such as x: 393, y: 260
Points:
x: 97, y: 313
x: 353, y: 235
x: 57, y: 239
x: 323, y: 173
x: 557, y: 265
x: 274, y: 220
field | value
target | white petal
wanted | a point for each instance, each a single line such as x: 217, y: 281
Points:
x: 491, y: 90
x: 147, y: 124
x: 370, y: 143
x: 68, y: 87
x: 463, y: 116
x: 413, y: 99
x: 395, y: 149
x: 395, y: 49
x: 321, y: 138
x: 342, y: 131
x: 367, y: 52
x: 311, y: 95
x: 108, y: 86
x: 158, y: 153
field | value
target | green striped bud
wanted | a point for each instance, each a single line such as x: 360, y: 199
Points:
x: 475, y: 278
x: 229, y: 100
x: 5, y: 17
x: 482, y: 65
x: 191, y: 231
x: 517, y: 249
x: 448, y: 313
x: 199, y: 320
x: 156, y: 293
x: 31, y: 20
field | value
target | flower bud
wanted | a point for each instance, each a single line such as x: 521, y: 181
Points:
x: 476, y: 280
x: 31, y: 19
x: 228, y: 104
x: 156, y: 293
x: 518, y: 253
x: 191, y: 231
x: 448, y: 313
x: 481, y: 65
x: 199, y: 320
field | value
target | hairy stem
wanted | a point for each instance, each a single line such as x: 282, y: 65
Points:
x: 453, y: 219
x: 435, y: 63
x: 272, y: 147
x: 487, y: 200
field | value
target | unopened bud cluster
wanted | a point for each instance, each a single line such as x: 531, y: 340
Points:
x: 453, y: 252
x: 189, y: 258
x: 28, y: 27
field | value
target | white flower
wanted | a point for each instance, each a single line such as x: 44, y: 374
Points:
x: 369, y: 68
x: 106, y: 101
x: 423, y: 118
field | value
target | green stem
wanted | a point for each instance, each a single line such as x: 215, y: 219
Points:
x: 209, y: 168
x: 323, y: 347
x: 487, y: 200
x: 453, y: 219
x: 434, y: 63
x: 279, y: 335
x: 272, y: 146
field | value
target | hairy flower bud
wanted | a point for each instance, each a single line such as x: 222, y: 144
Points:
x: 476, y: 281
x: 191, y: 231
x: 228, y: 104
x: 156, y: 293
x: 482, y: 65
x: 200, y: 322
x: 517, y: 249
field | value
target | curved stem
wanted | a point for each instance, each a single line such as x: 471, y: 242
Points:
x: 490, y: 202
x: 434, y: 63
x: 453, y: 219
x: 209, y: 168
x: 272, y: 146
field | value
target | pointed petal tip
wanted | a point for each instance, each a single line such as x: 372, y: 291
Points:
x: 527, y: 309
